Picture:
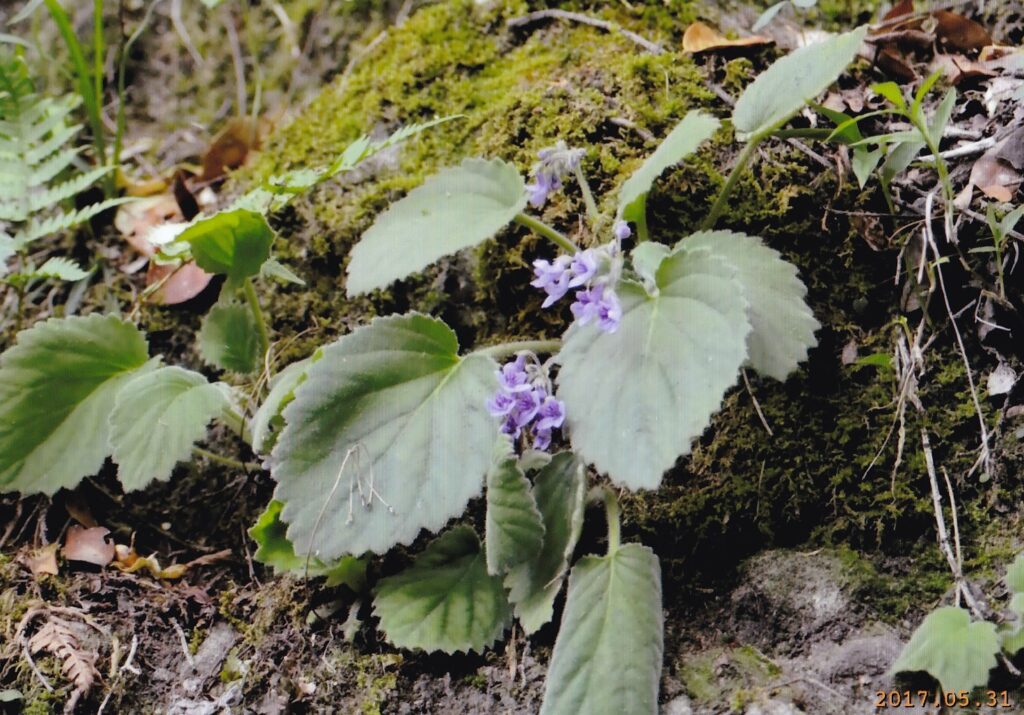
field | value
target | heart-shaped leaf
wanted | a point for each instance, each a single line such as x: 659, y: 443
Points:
x: 951, y: 649
x: 389, y: 434
x: 228, y: 338
x: 559, y: 491
x: 607, y: 658
x: 783, y: 89
x: 782, y: 325
x: 446, y: 600
x: 58, y: 384
x: 454, y: 209
x: 157, y: 417
x: 277, y: 552
x: 232, y: 243
x: 683, y: 140
x: 514, y: 532
x: 636, y: 398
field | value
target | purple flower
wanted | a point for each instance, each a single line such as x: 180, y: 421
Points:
x: 600, y: 304
x: 546, y: 183
x: 513, y: 377
x: 621, y: 230
x: 583, y: 267
x: 551, y: 414
x: 541, y: 438
x: 501, y: 404
x: 553, y: 278
x: 527, y: 404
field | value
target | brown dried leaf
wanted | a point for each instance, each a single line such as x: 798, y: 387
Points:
x: 230, y: 148
x: 57, y: 638
x: 702, y: 38
x: 42, y: 561
x: 995, y: 172
x: 903, y: 7
x: 89, y: 545
x: 180, y: 284
x: 894, y: 64
x: 129, y: 561
x: 959, y: 32
x: 959, y: 69
x: 137, y: 219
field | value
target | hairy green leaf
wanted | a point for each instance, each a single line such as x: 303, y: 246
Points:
x: 277, y: 552
x: 228, y: 338
x: 559, y: 491
x: 636, y: 398
x: 388, y: 435
x: 514, y: 532
x: 157, y: 417
x: 782, y: 325
x: 607, y: 658
x: 454, y: 209
x: 695, y: 128
x: 954, y: 651
x: 232, y: 243
x: 783, y: 89
x: 446, y: 600
x: 58, y: 384
x: 1015, y: 575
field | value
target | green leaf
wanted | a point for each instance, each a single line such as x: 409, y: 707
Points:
x: 268, y: 422
x: 891, y: 92
x: 58, y: 384
x: 954, y: 651
x: 388, y: 435
x: 941, y: 117
x: 514, y: 532
x: 232, y: 243
x: 277, y: 552
x: 273, y: 268
x: 454, y: 209
x: 768, y: 15
x: 157, y: 417
x: 607, y: 658
x: 783, y: 89
x: 683, y: 140
x: 864, y: 162
x: 1015, y: 575
x: 228, y: 338
x: 446, y: 600
x: 655, y: 382
x: 61, y: 269
x: 782, y: 325
x: 647, y: 256
x: 559, y: 492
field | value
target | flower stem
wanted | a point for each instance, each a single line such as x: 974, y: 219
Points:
x: 641, y: 221
x: 236, y: 423
x: 261, y: 323
x: 504, y: 350
x: 542, y: 229
x: 730, y: 183
x: 219, y: 459
x: 588, y: 197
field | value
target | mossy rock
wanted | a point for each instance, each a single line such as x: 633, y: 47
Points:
x: 521, y: 89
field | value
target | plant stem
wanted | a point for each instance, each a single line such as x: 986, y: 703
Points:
x: 236, y: 423
x: 641, y: 221
x: 261, y: 323
x: 504, y: 350
x: 588, y: 197
x: 542, y: 229
x: 730, y: 183
x: 97, y: 50
x: 219, y: 459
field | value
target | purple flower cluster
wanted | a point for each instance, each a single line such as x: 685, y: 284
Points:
x: 596, y: 301
x: 555, y: 163
x: 521, y: 400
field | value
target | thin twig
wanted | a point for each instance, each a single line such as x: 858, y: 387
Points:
x: 184, y: 643
x: 757, y: 405
x: 179, y: 27
x: 539, y: 15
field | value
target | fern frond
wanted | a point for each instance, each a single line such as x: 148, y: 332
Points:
x: 60, y: 268
x: 45, y: 171
x: 59, y: 138
x: 37, y: 228
x: 61, y: 192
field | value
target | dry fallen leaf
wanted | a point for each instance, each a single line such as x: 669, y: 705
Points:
x: 959, y: 69
x: 702, y: 38
x: 959, y: 32
x: 136, y: 220
x: 89, y: 545
x: 129, y: 561
x: 997, y: 172
x: 180, y: 284
x: 230, y: 148
x: 42, y: 561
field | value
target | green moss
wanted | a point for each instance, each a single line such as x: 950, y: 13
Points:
x: 734, y: 675
x: 373, y: 677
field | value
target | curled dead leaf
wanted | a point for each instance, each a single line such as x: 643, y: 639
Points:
x: 998, y: 172
x: 180, y: 283
x: 699, y: 37
x: 958, y: 68
x: 42, y: 561
x: 230, y: 148
x: 89, y: 545
x: 136, y: 220
x: 129, y: 561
